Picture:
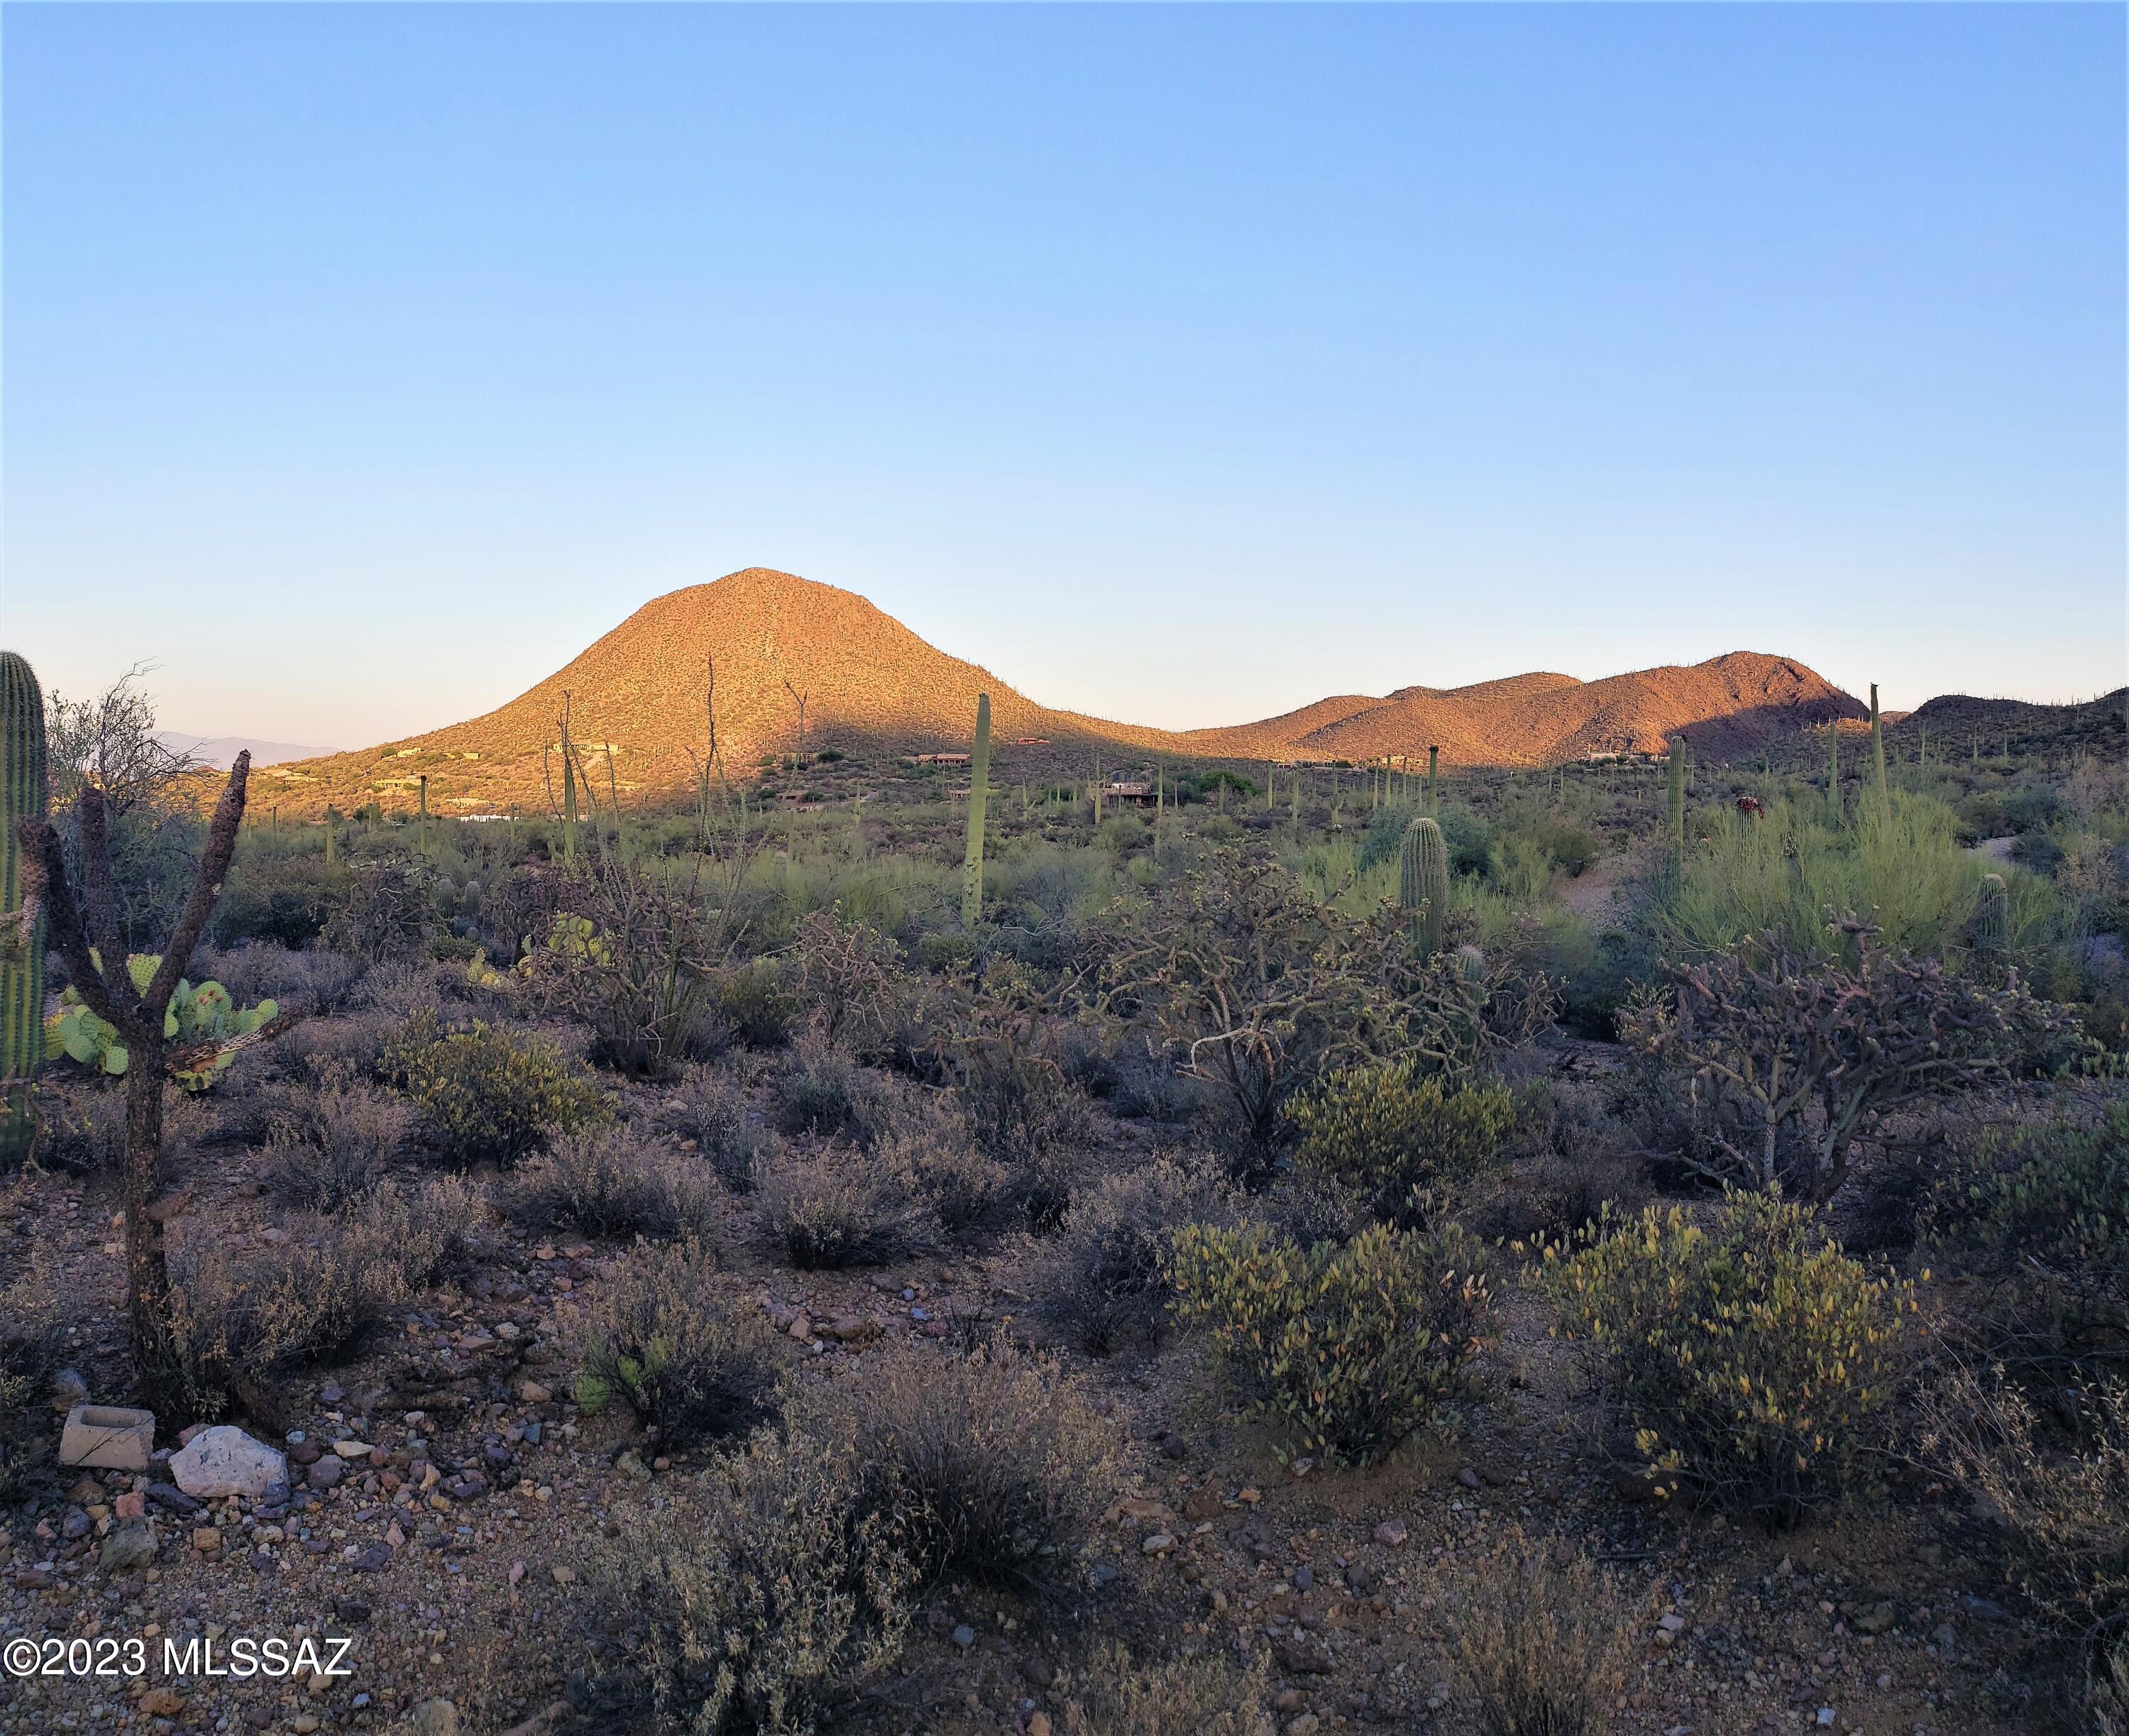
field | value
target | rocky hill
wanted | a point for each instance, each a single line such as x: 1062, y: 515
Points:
x: 638, y: 700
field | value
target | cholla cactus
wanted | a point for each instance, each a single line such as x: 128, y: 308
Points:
x: 1423, y: 882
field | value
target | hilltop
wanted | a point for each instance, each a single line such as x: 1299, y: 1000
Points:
x: 870, y: 684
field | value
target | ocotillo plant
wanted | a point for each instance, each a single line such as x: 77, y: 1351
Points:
x: 1423, y: 883
x: 1433, y: 780
x: 1674, y: 830
x: 979, y: 772
x: 22, y: 795
x: 1878, y: 752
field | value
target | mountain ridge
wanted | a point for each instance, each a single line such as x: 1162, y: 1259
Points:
x: 636, y: 698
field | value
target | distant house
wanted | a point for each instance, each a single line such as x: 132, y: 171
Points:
x: 939, y: 759
x: 1031, y: 741
x: 1128, y: 790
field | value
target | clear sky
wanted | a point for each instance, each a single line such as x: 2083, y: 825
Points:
x: 362, y: 363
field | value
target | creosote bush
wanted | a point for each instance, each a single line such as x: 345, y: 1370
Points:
x: 1753, y: 1361
x: 1351, y: 1348
x: 608, y: 1181
x: 489, y: 1095
x: 758, y: 1605
x: 994, y: 1464
x: 838, y: 1206
x: 662, y: 1338
x: 1546, y: 1641
x: 1398, y: 1139
x: 1208, y: 1695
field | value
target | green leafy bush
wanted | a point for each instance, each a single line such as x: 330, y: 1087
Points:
x: 1352, y: 1348
x: 487, y: 1095
x: 1753, y: 1360
x: 662, y: 1339
x: 1395, y: 1137
x: 2042, y: 1209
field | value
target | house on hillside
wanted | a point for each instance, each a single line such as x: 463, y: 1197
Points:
x: 1138, y: 790
x: 939, y: 759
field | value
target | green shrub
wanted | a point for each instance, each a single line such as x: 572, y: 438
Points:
x: 1352, y: 1348
x: 1753, y: 1362
x: 752, y: 999
x: 755, y: 1605
x: 1397, y: 1139
x: 662, y: 1340
x: 2042, y: 1210
x: 487, y: 1095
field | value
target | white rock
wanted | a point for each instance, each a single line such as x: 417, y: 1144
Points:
x: 226, y: 1461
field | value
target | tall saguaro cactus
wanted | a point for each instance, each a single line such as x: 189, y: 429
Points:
x: 1675, y: 827
x: 1833, y: 769
x: 22, y: 797
x: 1877, y: 751
x: 1423, y: 882
x: 979, y: 772
x: 1433, y: 780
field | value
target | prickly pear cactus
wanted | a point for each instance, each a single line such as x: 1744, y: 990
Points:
x: 1423, y: 882
x: 197, y: 1016
x: 22, y: 797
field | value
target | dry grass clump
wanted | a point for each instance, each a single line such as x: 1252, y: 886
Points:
x: 328, y: 1148
x: 838, y: 1206
x: 662, y: 1338
x: 1102, y: 1280
x: 754, y: 1004
x: 705, y: 1107
x: 763, y: 1603
x: 1208, y: 1695
x: 612, y: 1181
x: 1546, y: 1642
x: 994, y: 1464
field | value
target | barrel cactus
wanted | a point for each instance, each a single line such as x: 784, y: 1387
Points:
x: 1423, y: 882
x: 23, y: 796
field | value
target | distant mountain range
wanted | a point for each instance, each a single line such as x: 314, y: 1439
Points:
x: 641, y: 695
x: 221, y: 751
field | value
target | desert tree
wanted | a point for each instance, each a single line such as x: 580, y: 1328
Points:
x: 82, y: 926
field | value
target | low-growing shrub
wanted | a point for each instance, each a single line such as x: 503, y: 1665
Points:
x: 609, y: 1181
x: 994, y: 1464
x: 759, y: 1604
x: 1398, y: 1139
x: 838, y: 1206
x: 961, y: 1188
x: 706, y: 1109
x: 662, y: 1338
x: 1350, y: 1347
x: 823, y: 1090
x: 488, y: 1095
x: 1546, y: 1644
x: 328, y: 1148
x: 1102, y: 1280
x: 1754, y: 1361
x: 1207, y: 1696
x: 752, y: 1000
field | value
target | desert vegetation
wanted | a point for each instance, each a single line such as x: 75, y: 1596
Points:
x: 1627, y: 1245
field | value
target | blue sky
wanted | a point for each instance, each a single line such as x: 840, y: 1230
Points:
x: 362, y: 363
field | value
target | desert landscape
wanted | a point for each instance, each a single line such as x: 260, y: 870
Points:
x: 1548, y: 1207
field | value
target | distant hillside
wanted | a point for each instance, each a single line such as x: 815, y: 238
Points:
x: 221, y: 751
x: 870, y: 684
x: 1957, y: 721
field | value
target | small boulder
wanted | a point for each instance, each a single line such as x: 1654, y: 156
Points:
x: 131, y: 1544
x: 226, y: 1461
x: 327, y: 1471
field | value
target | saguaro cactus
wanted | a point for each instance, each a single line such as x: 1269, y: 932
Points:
x: 1674, y: 829
x: 23, y: 796
x: 1992, y: 914
x: 425, y: 813
x: 1878, y: 750
x: 979, y: 772
x: 1833, y: 769
x: 1433, y: 780
x: 1423, y: 883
